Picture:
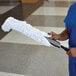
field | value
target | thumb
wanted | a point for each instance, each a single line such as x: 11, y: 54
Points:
x: 53, y: 33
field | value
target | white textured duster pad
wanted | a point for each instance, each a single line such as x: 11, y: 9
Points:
x: 26, y: 29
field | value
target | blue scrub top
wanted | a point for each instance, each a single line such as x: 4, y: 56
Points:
x: 70, y: 23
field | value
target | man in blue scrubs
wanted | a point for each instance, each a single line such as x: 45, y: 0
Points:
x: 69, y: 33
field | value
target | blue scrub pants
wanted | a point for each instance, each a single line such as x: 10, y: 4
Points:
x: 72, y: 66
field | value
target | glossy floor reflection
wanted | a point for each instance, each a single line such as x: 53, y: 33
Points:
x: 22, y: 55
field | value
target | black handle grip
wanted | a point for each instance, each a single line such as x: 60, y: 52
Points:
x: 65, y: 48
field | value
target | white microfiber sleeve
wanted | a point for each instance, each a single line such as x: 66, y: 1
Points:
x: 26, y: 29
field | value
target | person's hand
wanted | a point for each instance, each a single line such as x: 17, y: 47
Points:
x: 72, y: 52
x: 54, y: 36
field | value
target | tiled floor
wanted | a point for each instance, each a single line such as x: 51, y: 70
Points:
x: 4, y: 9
x: 22, y: 55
